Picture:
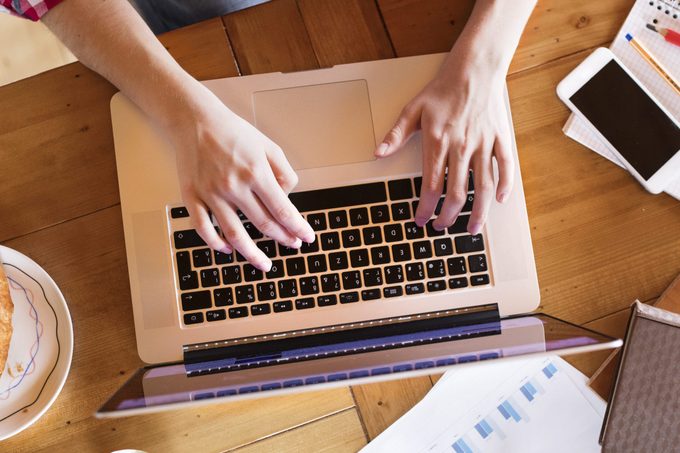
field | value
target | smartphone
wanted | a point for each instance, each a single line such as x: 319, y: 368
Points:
x: 626, y: 117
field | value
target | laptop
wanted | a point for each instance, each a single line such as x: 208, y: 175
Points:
x: 374, y: 297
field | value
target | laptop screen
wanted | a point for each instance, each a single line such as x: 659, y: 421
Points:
x: 301, y: 367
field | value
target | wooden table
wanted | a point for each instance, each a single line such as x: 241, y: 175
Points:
x: 600, y: 240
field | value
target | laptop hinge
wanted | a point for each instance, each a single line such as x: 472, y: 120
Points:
x: 265, y: 347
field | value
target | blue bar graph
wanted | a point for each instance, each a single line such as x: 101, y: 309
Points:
x: 549, y: 370
x: 527, y: 393
x: 504, y: 412
x: 511, y: 410
x: 460, y: 446
x: 482, y: 432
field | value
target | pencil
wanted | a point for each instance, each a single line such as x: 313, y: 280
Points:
x: 669, y: 35
x: 653, y: 62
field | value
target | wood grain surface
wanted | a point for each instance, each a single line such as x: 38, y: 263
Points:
x: 599, y: 239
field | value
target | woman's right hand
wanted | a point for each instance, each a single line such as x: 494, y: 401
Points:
x: 224, y: 164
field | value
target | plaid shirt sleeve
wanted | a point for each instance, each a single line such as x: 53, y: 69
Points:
x: 30, y: 9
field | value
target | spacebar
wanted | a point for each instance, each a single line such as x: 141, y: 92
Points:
x: 338, y: 197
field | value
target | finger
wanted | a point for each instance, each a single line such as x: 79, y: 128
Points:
x: 255, y: 211
x: 406, y: 125
x: 506, y: 167
x: 456, y: 189
x: 281, y: 208
x: 434, y: 164
x: 284, y: 173
x: 484, y: 190
x: 237, y: 236
x: 201, y: 222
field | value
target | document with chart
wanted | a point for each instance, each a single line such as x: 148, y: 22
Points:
x: 525, y: 406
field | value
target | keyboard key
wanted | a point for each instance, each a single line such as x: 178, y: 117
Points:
x: 351, y: 238
x: 193, y: 318
x: 188, y: 238
x: 178, y: 213
x: 223, y: 297
x: 380, y: 255
x: 338, y: 197
x: 253, y: 232
x: 417, y: 182
x: 215, y: 315
x: 351, y: 280
x: 330, y: 241
x: 287, y: 251
x: 460, y: 225
x: 380, y: 214
x: 317, y: 221
x: 401, y: 252
x: 394, y: 274
x: 325, y: 301
x: 316, y: 264
x: 435, y: 269
x: 304, y: 303
x: 266, y: 291
x: 393, y: 291
x: 238, y: 312
x: 196, y: 300
x: 245, y: 294
x: 372, y: 235
x: 400, y: 189
x: 359, y: 257
x: 467, y: 244
x: 413, y: 231
x: 348, y: 298
x: 202, y: 257
x: 393, y: 233
x: 337, y: 219
x: 373, y: 277
x: 456, y: 265
x: 358, y: 216
x: 370, y: 294
x: 309, y: 285
x: 415, y: 288
x: 467, y: 207
x: 231, y: 275
x: 477, y: 263
x: 251, y: 273
x: 210, y: 277
x: 260, y: 309
x: 287, y: 288
x: 401, y: 211
x: 223, y: 258
x: 240, y: 258
x: 276, y: 271
x: 295, y: 266
x: 443, y: 247
x: 268, y: 248
x: 431, y: 232
x: 422, y: 250
x: 312, y: 247
x: 338, y: 261
x: 436, y: 285
x: 455, y: 283
x: 330, y: 283
x: 283, y: 305
x: 478, y: 280
x: 415, y: 271
x: 438, y: 206
x: 183, y: 262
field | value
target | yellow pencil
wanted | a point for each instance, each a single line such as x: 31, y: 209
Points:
x: 652, y: 61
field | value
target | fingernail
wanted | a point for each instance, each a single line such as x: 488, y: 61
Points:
x: 265, y: 266
x: 296, y: 244
x: 503, y: 197
x: 420, y: 221
x: 474, y: 228
x: 382, y: 149
x: 309, y: 238
x: 438, y: 227
x: 226, y: 249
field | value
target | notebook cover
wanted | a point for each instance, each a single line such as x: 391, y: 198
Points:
x: 644, y: 409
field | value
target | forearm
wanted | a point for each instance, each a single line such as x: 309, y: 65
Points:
x: 491, y: 35
x: 110, y: 38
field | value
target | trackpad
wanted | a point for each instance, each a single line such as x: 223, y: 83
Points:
x: 318, y: 125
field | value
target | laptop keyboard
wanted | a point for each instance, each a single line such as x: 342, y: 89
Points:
x: 368, y: 248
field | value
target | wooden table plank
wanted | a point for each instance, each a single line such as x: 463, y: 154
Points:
x: 57, y: 142
x: 269, y: 38
x: 341, y: 432
x: 345, y: 31
x: 86, y: 257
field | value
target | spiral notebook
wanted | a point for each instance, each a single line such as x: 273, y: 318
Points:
x: 662, y: 14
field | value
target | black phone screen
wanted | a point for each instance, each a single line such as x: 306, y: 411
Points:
x: 632, y: 122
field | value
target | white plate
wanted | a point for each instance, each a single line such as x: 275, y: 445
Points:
x: 41, y: 348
